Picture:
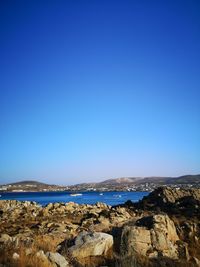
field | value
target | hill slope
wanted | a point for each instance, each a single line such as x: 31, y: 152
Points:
x: 186, y: 179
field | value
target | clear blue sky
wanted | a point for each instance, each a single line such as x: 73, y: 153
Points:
x: 99, y: 89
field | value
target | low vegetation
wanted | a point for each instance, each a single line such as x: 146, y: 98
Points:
x: 162, y: 230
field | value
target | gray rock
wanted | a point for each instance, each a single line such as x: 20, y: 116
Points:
x: 40, y: 254
x: 57, y: 258
x: 91, y: 244
x: 4, y: 238
x: 15, y: 256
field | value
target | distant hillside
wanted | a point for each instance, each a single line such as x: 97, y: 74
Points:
x: 33, y: 186
x: 125, y: 180
x: 27, y: 182
x: 156, y: 180
x: 111, y: 184
x: 186, y: 179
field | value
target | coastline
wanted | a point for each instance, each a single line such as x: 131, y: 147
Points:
x: 111, y: 197
x: 58, y: 228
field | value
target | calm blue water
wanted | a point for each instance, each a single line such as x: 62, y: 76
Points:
x: 43, y: 198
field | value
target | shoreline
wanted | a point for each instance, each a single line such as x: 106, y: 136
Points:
x: 43, y: 198
x: 162, y: 227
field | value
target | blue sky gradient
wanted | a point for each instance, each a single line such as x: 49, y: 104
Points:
x: 98, y: 89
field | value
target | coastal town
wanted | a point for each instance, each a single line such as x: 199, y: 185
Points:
x: 119, y: 184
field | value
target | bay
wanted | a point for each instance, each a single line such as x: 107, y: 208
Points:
x: 43, y: 198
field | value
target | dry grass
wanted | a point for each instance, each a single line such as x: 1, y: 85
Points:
x: 132, y: 261
x: 141, y: 261
x: 45, y: 243
x: 31, y: 260
x: 94, y: 261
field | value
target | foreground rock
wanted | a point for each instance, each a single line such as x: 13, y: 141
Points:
x: 163, y: 229
x: 151, y: 236
x: 89, y: 244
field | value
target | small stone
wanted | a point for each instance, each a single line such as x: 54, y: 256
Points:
x: 40, y: 254
x: 4, y: 238
x: 28, y: 251
x: 57, y: 258
x: 15, y: 256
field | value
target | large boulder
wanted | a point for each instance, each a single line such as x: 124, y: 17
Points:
x: 89, y: 244
x: 151, y: 236
x: 135, y: 240
x: 163, y: 224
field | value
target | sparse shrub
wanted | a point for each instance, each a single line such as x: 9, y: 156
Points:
x: 45, y: 243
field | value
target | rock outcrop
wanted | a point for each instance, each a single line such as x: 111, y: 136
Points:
x: 172, y: 201
x: 151, y: 236
x: 163, y: 228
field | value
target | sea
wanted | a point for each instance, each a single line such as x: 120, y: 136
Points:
x: 43, y: 198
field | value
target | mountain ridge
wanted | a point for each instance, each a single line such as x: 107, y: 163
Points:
x: 184, y: 179
x: 151, y: 179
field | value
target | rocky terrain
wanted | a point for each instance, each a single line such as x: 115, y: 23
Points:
x: 163, y: 229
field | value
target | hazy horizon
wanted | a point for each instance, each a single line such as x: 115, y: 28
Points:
x: 43, y: 180
x: 93, y: 90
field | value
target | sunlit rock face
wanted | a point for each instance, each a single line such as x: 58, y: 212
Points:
x: 151, y: 236
x: 89, y: 244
